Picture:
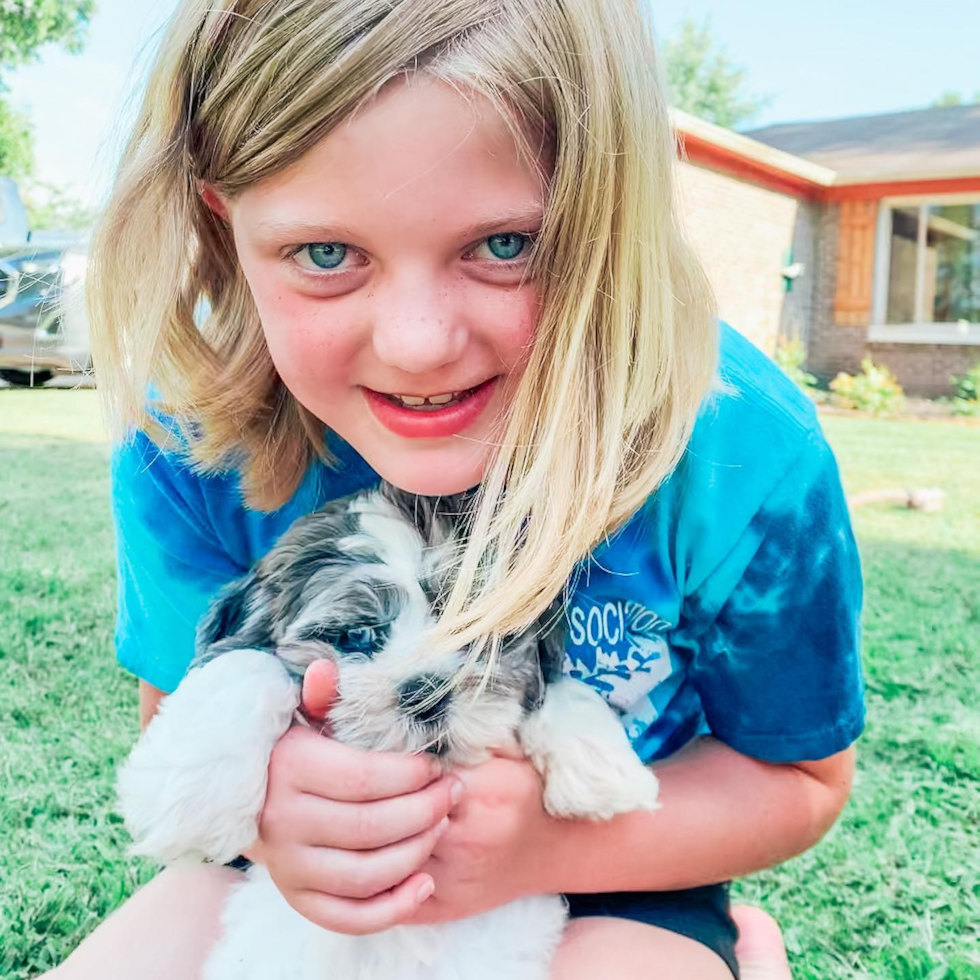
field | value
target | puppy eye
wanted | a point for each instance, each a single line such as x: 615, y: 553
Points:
x: 361, y: 639
x: 365, y: 640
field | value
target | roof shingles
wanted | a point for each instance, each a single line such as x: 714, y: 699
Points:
x: 921, y: 142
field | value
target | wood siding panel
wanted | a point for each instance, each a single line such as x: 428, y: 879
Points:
x: 856, y: 263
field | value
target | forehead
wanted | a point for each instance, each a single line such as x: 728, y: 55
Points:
x: 421, y: 156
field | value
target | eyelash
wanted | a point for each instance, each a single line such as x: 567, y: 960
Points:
x: 330, y: 273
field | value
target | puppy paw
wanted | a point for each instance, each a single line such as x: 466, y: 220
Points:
x: 588, y: 765
x: 195, y: 783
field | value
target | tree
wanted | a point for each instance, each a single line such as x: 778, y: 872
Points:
x: 703, y: 81
x: 26, y: 25
x: 51, y: 208
x: 949, y: 97
x: 16, y: 149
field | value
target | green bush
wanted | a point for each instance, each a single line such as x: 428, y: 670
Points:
x: 966, y: 392
x: 790, y: 355
x: 967, y: 386
x: 874, y: 390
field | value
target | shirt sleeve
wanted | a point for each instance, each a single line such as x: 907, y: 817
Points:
x: 774, y: 630
x: 170, y: 561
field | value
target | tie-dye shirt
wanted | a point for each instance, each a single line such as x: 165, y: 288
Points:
x: 729, y: 604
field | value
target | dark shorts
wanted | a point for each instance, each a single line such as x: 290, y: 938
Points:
x: 702, y: 914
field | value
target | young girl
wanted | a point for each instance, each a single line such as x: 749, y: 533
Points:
x: 436, y: 242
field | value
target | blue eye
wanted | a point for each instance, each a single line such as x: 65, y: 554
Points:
x: 326, y: 255
x: 507, y: 246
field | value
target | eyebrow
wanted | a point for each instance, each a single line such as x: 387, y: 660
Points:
x: 517, y: 219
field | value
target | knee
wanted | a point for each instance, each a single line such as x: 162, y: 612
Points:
x: 759, y: 935
x: 622, y: 948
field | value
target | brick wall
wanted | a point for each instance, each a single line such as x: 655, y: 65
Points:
x: 832, y: 347
x: 741, y: 233
x: 925, y: 369
x: 921, y: 369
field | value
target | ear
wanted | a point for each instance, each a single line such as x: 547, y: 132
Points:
x: 213, y: 199
x: 233, y: 619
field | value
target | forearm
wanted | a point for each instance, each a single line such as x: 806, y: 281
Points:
x: 722, y: 815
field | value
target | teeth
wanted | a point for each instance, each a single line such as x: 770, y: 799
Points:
x: 415, y: 401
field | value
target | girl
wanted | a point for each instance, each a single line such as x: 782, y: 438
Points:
x: 438, y: 243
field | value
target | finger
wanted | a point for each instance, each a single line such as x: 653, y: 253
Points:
x: 319, y: 688
x: 368, y: 826
x: 364, y: 874
x: 327, y: 768
x: 358, y: 917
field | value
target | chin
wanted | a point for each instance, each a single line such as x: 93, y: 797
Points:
x: 429, y: 473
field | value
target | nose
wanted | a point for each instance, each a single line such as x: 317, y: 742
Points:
x: 417, y: 328
x: 421, y: 698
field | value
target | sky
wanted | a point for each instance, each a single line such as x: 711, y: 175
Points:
x: 810, y: 60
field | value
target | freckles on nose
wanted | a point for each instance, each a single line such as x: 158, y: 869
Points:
x: 417, y: 340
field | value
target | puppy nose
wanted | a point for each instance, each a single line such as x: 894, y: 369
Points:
x: 420, y: 699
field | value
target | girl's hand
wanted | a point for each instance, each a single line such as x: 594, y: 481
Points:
x: 344, y: 833
x: 500, y: 843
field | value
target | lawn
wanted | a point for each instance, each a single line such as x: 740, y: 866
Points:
x: 893, y: 892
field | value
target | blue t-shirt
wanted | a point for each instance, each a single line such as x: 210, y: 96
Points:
x: 729, y: 603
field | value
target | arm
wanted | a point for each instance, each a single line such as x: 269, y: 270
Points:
x: 723, y: 815
x: 150, y: 698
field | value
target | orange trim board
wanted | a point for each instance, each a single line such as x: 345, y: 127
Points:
x: 899, y: 188
x: 700, y: 151
x: 707, y: 154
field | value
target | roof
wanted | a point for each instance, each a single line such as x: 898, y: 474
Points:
x: 725, y: 147
x: 935, y: 143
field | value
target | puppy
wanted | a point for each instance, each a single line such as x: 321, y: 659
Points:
x: 358, y: 583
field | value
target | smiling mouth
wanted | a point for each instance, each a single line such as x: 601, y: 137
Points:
x: 433, y: 403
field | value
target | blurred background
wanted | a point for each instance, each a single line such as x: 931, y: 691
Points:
x: 830, y: 181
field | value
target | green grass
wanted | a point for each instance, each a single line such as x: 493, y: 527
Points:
x: 57, y: 413
x: 894, y: 889
x: 893, y: 892
x: 67, y: 712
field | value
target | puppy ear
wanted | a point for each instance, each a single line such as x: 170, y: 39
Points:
x: 551, y: 641
x: 233, y: 619
x: 551, y: 655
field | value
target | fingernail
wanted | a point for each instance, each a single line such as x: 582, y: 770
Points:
x: 441, y: 826
x: 456, y: 792
x: 426, y: 891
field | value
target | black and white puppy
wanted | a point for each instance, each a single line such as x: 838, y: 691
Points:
x: 358, y: 583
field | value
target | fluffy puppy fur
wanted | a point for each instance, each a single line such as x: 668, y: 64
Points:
x: 357, y: 583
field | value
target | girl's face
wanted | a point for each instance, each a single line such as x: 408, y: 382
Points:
x: 388, y: 262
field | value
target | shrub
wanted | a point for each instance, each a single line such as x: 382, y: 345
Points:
x: 874, y: 390
x: 966, y: 392
x: 790, y: 355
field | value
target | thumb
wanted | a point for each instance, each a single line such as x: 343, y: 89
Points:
x: 319, y: 688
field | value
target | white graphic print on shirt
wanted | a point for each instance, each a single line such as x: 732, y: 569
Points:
x: 619, y: 647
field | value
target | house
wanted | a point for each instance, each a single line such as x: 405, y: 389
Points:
x: 859, y: 236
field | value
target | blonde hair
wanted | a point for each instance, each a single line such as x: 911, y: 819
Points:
x: 625, y: 348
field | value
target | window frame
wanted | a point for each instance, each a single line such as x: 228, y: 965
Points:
x: 920, y: 332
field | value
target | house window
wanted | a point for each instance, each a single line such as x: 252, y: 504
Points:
x: 933, y: 263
